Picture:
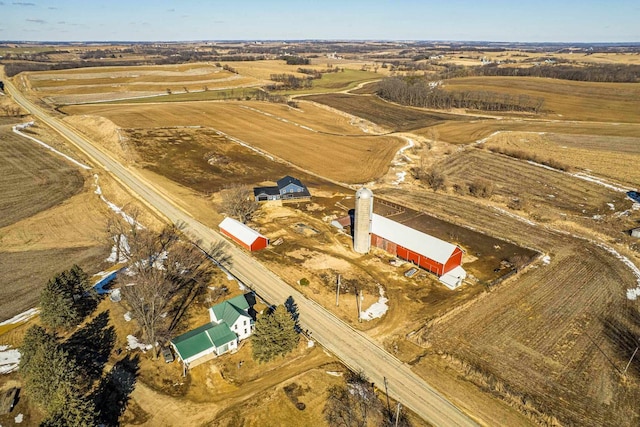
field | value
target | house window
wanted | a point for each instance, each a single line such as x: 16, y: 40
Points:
x: 245, y: 332
x: 235, y: 327
x: 245, y: 323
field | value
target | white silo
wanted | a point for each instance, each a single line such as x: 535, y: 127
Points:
x: 362, y: 221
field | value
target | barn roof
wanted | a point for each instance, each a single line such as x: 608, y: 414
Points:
x: 414, y: 240
x: 244, y: 233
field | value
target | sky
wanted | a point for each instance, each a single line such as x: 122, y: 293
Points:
x: 186, y: 20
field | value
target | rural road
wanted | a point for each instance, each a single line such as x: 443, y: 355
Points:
x: 355, y: 349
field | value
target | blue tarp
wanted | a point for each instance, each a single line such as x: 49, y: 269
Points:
x: 634, y: 195
x: 100, y: 285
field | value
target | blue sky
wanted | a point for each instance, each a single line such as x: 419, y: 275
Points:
x: 169, y: 20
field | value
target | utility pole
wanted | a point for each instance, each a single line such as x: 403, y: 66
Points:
x: 359, y: 304
x: 386, y: 391
x: 398, y: 413
x: 338, y: 291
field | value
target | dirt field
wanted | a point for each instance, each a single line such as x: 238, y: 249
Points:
x: 577, y: 298
x: 28, y: 169
x: 567, y: 100
x: 394, y: 117
x: 361, y: 159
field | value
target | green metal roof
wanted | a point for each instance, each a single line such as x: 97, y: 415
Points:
x: 228, y: 311
x: 203, y: 338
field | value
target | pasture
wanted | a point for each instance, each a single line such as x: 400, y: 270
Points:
x: 354, y: 159
x: 605, y: 156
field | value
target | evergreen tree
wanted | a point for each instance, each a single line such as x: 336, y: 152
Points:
x: 78, y: 411
x: 60, y: 300
x: 35, y: 338
x: 274, y: 335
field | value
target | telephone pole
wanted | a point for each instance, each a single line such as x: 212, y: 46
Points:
x: 338, y: 291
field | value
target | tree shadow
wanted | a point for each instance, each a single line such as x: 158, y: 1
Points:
x: 91, y: 346
x: 623, y: 332
x: 292, y: 308
x: 112, y: 395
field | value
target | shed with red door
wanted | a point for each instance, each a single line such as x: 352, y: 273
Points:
x: 243, y: 235
x: 426, y: 251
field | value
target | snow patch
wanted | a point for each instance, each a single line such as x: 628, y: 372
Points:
x: 599, y: 181
x: 18, y: 418
x: 611, y: 206
x: 113, y: 207
x: 310, y: 343
x: 119, y: 254
x: 127, y: 316
x: 133, y: 343
x: 22, y: 317
x: 546, y: 260
x: 377, y: 309
x: 512, y: 215
x: 400, y: 178
x: 18, y: 128
x: 9, y: 359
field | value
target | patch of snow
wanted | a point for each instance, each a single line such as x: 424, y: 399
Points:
x: 599, y: 181
x: 512, y: 215
x: 115, y: 295
x: 400, y: 178
x: 113, y: 207
x: 334, y: 373
x: 18, y: 418
x: 597, y: 217
x: 133, y: 343
x: 310, y: 343
x: 546, y: 260
x: 540, y: 165
x: 18, y: 128
x: 22, y: 317
x: 485, y: 139
x: 119, y: 256
x: 611, y: 206
x: 9, y: 359
x: 127, y: 316
x: 377, y: 309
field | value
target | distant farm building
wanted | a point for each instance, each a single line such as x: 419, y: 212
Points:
x: 230, y: 323
x: 243, y: 235
x: 441, y: 258
x: 287, y: 189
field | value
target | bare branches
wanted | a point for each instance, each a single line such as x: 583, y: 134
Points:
x: 238, y: 201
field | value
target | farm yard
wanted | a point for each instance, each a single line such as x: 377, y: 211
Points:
x: 362, y: 158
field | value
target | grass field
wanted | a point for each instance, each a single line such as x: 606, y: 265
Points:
x: 606, y: 156
x: 360, y: 159
x: 563, y: 99
x: 334, y: 82
x: 471, y: 131
x: 546, y: 191
x: 391, y: 116
x: 28, y: 169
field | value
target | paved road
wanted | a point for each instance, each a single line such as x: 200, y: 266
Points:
x: 355, y: 349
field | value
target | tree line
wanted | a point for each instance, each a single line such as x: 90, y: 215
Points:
x: 418, y: 93
x: 290, y: 81
x: 609, y: 73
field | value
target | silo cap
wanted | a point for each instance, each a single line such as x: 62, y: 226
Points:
x: 364, y: 193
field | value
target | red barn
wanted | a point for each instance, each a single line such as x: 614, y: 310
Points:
x: 426, y: 251
x: 243, y: 235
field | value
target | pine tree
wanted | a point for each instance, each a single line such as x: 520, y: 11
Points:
x: 78, y: 411
x: 60, y: 300
x: 274, y: 335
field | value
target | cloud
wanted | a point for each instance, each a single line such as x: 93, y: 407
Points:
x: 1, y: 3
x: 171, y: 10
x: 36, y: 21
x: 21, y: 3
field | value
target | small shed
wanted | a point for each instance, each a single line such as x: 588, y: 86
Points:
x: 244, y: 235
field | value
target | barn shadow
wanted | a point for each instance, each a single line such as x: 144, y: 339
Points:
x: 624, y: 334
x: 91, y: 345
x: 112, y: 395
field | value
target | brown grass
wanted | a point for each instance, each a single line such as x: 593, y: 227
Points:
x: 565, y: 100
x: 391, y: 116
x: 608, y: 157
x: 360, y: 159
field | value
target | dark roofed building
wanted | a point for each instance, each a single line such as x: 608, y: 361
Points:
x: 288, y: 188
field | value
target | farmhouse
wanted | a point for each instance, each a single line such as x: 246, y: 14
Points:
x: 432, y: 254
x: 287, y: 189
x: 243, y: 235
x: 230, y: 323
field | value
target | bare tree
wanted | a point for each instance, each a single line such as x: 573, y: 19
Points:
x: 435, y: 179
x: 238, y: 201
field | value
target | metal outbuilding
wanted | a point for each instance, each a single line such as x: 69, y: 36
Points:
x: 243, y: 235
